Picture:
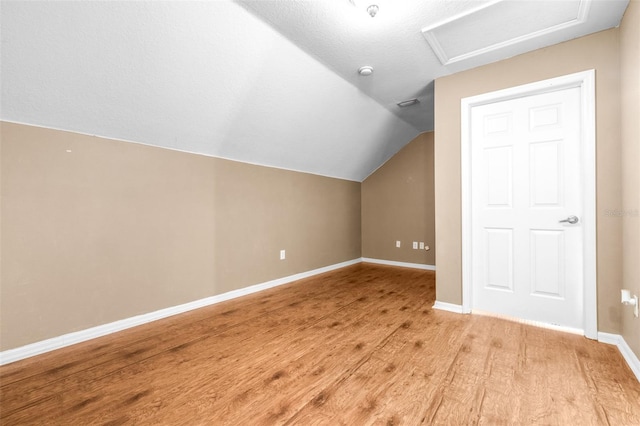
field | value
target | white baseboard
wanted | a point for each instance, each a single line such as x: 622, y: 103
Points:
x: 444, y: 306
x: 37, y: 348
x: 403, y: 264
x: 625, y: 350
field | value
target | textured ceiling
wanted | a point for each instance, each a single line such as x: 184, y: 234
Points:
x: 344, y: 38
x: 276, y: 86
x: 204, y: 77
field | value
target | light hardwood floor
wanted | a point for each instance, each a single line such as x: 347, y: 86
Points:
x: 360, y: 345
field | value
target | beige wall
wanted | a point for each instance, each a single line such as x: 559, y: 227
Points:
x: 630, y: 83
x: 598, y: 51
x: 397, y: 204
x: 113, y: 229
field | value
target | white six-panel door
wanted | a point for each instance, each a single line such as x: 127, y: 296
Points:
x: 526, y: 179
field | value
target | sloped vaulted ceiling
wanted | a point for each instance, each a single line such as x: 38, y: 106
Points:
x: 203, y: 77
x: 270, y: 82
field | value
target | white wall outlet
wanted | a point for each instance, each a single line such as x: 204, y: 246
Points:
x: 625, y: 296
x: 629, y: 299
x: 415, y: 245
x: 421, y: 245
x: 283, y: 254
x: 398, y: 244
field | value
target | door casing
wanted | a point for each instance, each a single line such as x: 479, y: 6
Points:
x: 586, y: 82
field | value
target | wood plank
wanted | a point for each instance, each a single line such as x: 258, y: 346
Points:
x: 360, y: 345
x: 227, y: 314
x: 151, y: 339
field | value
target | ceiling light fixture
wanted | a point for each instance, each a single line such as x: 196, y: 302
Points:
x: 408, y: 102
x: 365, y: 71
x: 371, y: 8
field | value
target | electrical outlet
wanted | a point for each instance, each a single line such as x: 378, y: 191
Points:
x: 421, y: 245
x: 415, y: 245
x: 283, y: 254
x: 398, y: 244
x: 629, y: 300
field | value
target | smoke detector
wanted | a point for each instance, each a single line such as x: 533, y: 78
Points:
x: 365, y: 71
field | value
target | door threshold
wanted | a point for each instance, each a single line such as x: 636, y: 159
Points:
x: 538, y: 324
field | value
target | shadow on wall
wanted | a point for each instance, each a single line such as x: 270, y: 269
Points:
x: 398, y: 205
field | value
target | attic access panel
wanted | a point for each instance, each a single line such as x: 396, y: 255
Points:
x: 500, y: 24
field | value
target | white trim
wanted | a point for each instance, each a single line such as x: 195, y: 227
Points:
x: 402, y: 264
x: 609, y: 338
x: 450, y: 307
x: 625, y: 350
x: 37, y: 348
x: 586, y: 82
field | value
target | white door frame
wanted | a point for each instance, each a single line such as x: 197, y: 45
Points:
x: 586, y: 82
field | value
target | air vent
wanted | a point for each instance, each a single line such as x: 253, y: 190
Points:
x: 408, y: 103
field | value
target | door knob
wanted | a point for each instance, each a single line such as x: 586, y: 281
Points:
x: 571, y: 219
